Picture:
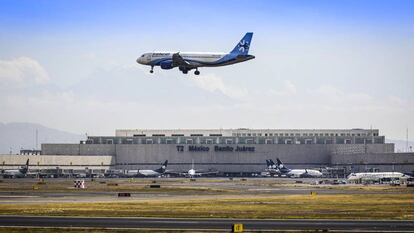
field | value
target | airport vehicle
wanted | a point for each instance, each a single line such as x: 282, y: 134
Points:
x: 375, y: 175
x: 16, y: 173
x: 193, y: 172
x: 149, y: 173
x: 295, y: 173
x: 186, y: 61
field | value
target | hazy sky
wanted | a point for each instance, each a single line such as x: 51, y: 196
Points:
x: 71, y: 65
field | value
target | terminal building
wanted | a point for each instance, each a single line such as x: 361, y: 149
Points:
x: 230, y: 151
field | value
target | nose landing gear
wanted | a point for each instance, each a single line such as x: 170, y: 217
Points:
x: 152, y: 69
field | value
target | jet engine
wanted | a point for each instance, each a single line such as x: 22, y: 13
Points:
x: 166, y: 65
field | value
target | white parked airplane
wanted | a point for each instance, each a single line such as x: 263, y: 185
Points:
x: 186, y: 61
x: 193, y: 172
x: 297, y: 173
x: 151, y: 173
x: 375, y: 175
x: 16, y: 173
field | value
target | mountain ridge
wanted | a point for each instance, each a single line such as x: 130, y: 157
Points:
x: 22, y: 135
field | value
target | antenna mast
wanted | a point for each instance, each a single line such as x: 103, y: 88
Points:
x: 406, y: 142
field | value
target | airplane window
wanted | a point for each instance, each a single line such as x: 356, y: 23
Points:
x: 142, y: 55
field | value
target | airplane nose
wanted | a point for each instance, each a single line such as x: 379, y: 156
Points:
x: 139, y: 60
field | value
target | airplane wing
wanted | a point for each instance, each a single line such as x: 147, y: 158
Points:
x: 177, y: 60
x: 176, y: 173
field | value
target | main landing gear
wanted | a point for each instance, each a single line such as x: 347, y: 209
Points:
x: 152, y: 69
x: 196, y: 72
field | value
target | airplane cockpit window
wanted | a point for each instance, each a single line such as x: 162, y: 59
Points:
x: 142, y: 55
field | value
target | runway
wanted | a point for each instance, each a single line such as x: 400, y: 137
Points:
x: 205, y: 224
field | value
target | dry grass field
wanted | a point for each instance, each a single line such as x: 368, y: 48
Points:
x: 379, y: 206
x: 210, y: 198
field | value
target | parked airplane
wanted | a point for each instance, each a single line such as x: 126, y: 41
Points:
x: 16, y: 173
x: 150, y: 173
x: 375, y: 175
x: 295, y: 172
x: 271, y: 168
x: 186, y: 61
x: 193, y: 173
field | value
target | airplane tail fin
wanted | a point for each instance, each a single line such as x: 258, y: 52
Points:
x: 280, y: 165
x: 272, y: 164
x: 163, y: 167
x: 242, y: 48
x: 25, y: 168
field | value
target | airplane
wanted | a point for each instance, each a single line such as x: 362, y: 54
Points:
x: 186, y: 61
x: 193, y: 173
x: 297, y: 173
x: 149, y: 173
x: 271, y: 168
x: 376, y: 175
x: 16, y: 173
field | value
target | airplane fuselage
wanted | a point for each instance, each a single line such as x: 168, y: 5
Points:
x: 304, y: 173
x: 375, y: 175
x: 151, y: 173
x: 164, y: 59
x: 13, y: 174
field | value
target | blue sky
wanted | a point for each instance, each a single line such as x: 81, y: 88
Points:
x: 319, y: 64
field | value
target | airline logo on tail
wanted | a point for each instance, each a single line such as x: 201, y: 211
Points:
x: 243, y: 45
x: 242, y: 48
x: 163, y: 167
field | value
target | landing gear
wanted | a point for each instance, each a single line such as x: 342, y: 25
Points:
x: 197, y: 72
x: 152, y: 69
x: 185, y: 71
